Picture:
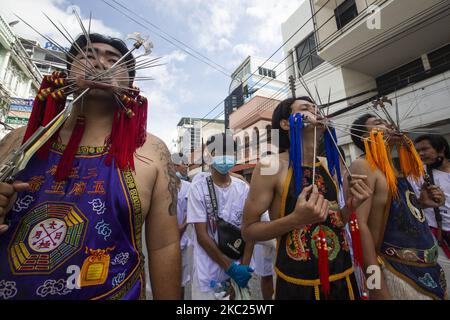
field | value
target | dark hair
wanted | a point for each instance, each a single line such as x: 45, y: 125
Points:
x: 438, y: 142
x: 116, y: 43
x: 221, y: 140
x: 355, y: 130
x: 283, y: 111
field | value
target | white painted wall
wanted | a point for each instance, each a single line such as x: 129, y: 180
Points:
x: 432, y: 96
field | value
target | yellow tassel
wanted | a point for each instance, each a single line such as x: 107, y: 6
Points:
x: 385, y: 164
x: 369, y: 157
x: 418, y: 169
x: 373, y: 147
x: 404, y: 157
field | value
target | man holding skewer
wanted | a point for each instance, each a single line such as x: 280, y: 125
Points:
x: 313, y: 257
x: 72, y: 228
x: 394, y: 231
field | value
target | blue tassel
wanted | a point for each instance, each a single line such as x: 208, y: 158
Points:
x: 295, y: 151
x: 332, y: 154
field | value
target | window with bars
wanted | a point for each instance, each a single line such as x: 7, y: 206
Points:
x: 307, y: 55
x: 246, y: 147
x: 345, y: 13
x: 440, y: 59
x: 414, y: 71
x: 401, y: 77
x: 267, y: 72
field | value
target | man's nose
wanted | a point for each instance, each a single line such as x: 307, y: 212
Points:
x: 100, y: 63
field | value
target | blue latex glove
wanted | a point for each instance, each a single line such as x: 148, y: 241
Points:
x: 240, y: 273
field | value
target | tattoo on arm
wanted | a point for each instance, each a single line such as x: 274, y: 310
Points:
x: 173, y: 190
x: 171, y: 177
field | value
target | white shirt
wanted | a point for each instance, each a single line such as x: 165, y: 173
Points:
x: 442, y: 180
x: 182, y: 212
x: 230, y: 201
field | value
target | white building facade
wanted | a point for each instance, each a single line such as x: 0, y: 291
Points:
x: 19, y: 81
x: 255, y: 76
x: 372, y: 48
x: 192, y: 135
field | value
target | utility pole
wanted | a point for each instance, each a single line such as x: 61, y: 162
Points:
x: 292, y: 85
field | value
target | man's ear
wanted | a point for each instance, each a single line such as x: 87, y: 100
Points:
x: 441, y: 153
x: 284, y: 124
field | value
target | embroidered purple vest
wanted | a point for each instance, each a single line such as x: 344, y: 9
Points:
x: 79, y: 239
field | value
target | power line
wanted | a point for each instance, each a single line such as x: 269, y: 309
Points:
x: 254, y: 72
x: 381, y: 38
x: 172, y: 37
x: 342, y: 57
x: 164, y: 38
x: 266, y: 104
x: 331, y: 62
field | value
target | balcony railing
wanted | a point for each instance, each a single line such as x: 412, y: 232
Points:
x: 333, y: 18
x: 6, y: 31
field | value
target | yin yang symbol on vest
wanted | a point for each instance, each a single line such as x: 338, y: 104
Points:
x: 412, y: 202
x: 47, y: 235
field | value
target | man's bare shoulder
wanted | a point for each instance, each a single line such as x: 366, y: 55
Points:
x: 155, y: 149
x: 361, y: 164
x: 273, y: 163
x: 11, y: 141
x: 269, y: 170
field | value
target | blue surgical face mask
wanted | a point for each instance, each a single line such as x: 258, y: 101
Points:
x: 223, y: 164
x: 182, y: 177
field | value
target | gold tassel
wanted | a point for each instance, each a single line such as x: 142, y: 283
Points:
x: 385, y: 164
x: 417, y: 168
x: 405, y: 164
x: 369, y: 156
x: 373, y: 147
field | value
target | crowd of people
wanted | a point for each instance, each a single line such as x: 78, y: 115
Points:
x: 308, y: 225
x: 397, y: 233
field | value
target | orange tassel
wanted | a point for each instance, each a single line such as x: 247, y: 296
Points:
x: 418, y: 169
x: 373, y: 147
x: 369, y: 156
x: 385, y: 164
x: 405, y: 163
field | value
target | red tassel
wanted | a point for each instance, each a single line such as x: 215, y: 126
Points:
x: 46, y: 106
x: 118, y: 141
x: 357, y: 247
x: 66, y: 161
x: 50, y: 112
x: 356, y: 240
x: 37, y: 112
x: 128, y: 133
x: 113, y: 137
x: 324, y: 273
x: 141, y: 121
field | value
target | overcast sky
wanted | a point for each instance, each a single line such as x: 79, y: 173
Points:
x: 225, y: 31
